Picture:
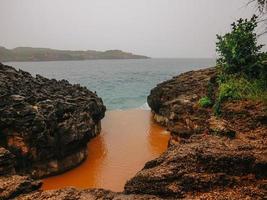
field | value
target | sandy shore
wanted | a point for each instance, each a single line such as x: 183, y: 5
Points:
x: 128, y: 140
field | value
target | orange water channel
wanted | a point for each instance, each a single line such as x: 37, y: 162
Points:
x: 128, y: 140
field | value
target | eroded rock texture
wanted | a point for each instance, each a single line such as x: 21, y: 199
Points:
x: 13, y: 185
x: 208, y: 157
x: 89, y: 194
x: 46, y: 123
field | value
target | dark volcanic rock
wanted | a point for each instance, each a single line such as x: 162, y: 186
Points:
x: 208, y: 157
x: 12, y: 186
x: 46, y: 123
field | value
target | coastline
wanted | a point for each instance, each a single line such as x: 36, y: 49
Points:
x: 129, y: 138
x: 20, y: 54
x: 207, y: 156
x: 14, y: 61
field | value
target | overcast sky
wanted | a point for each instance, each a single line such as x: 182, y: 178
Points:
x: 156, y: 28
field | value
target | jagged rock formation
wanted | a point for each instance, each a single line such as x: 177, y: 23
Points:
x: 208, y: 157
x: 46, y: 123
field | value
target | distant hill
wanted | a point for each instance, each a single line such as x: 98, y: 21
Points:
x: 45, y: 54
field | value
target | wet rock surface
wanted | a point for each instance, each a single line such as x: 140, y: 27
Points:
x: 45, y: 123
x: 208, y: 157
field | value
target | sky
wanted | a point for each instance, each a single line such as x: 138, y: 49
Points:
x: 155, y: 28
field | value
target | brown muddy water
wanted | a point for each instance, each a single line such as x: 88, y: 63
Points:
x: 128, y: 140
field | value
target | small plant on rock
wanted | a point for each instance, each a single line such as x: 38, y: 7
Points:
x: 205, y: 102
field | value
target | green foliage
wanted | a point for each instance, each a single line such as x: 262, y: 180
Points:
x: 239, y: 52
x: 242, y: 67
x: 235, y: 88
x: 205, y: 102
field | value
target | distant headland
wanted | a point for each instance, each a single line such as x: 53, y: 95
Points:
x: 46, y: 54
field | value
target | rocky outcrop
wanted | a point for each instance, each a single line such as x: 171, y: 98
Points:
x: 88, y: 194
x: 208, y: 157
x: 202, y: 164
x: 176, y: 100
x: 45, y: 123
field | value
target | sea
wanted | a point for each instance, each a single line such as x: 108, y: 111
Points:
x: 122, y: 84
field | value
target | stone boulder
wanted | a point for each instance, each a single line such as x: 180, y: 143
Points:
x: 180, y: 94
x: 46, y: 123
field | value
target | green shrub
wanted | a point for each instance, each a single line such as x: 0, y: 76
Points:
x: 239, y: 52
x: 226, y: 91
x: 235, y: 88
x: 205, y: 102
x: 242, y: 67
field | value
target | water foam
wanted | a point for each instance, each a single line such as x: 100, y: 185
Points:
x: 145, y: 106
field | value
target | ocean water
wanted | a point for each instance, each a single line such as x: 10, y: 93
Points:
x: 122, y: 84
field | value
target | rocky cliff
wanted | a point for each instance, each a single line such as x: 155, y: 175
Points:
x: 208, y: 157
x: 45, y: 123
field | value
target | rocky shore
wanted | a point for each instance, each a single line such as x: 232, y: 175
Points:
x: 208, y: 157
